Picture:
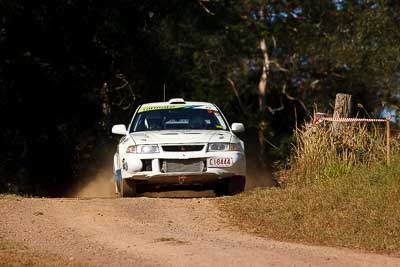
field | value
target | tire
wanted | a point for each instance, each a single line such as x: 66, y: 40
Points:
x: 230, y: 186
x: 127, y: 188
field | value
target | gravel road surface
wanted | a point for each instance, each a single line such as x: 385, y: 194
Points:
x: 148, y: 231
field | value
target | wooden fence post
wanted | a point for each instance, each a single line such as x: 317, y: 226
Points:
x: 342, y: 109
x: 388, y: 141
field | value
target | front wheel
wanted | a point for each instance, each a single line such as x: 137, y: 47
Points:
x: 127, y: 188
x: 230, y: 186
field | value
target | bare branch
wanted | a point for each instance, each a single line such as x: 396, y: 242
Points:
x: 338, y: 75
x: 273, y: 110
x: 128, y: 106
x: 124, y: 81
x: 125, y: 84
x: 278, y: 66
x: 314, y: 83
x: 271, y: 144
x: 292, y: 98
x: 274, y: 41
x: 233, y: 86
x: 205, y: 8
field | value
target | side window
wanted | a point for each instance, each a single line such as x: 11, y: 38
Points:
x: 138, y: 124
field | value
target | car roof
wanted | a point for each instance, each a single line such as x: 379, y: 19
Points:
x: 186, y: 103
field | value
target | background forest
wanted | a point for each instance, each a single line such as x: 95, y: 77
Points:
x: 71, y: 69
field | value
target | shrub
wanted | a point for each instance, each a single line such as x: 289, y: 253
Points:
x: 319, y: 153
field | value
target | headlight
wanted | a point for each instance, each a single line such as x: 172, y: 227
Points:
x: 143, y: 149
x: 148, y: 149
x: 223, y: 147
x: 131, y: 149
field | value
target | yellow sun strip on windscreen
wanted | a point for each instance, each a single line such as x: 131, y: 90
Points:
x: 150, y: 108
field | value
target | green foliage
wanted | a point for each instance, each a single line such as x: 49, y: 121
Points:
x: 335, y: 170
x: 70, y: 69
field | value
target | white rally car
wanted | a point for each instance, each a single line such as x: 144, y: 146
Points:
x: 181, y: 145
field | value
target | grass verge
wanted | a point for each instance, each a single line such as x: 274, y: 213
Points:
x: 339, y: 202
x: 361, y: 211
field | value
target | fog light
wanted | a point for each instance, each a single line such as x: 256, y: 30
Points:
x: 147, y: 165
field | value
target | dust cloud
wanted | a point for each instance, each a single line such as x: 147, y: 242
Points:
x: 258, y: 176
x: 100, y: 184
x: 262, y: 179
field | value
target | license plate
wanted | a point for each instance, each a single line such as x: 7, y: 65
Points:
x: 220, y: 162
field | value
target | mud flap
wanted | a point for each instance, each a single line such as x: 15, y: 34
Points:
x: 118, y: 178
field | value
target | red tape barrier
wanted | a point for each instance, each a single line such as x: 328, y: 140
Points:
x: 320, y: 119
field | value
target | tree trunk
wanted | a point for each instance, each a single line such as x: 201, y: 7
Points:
x: 342, y: 109
x: 262, y: 85
x: 262, y: 90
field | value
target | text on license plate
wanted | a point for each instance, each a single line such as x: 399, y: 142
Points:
x: 219, y: 162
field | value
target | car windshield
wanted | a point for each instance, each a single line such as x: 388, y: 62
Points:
x: 179, y: 117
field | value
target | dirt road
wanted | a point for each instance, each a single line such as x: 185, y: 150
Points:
x: 152, y: 232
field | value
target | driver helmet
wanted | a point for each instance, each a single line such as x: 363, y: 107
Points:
x: 196, y: 123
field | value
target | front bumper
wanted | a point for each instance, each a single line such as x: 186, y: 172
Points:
x: 208, y: 176
x: 179, y: 178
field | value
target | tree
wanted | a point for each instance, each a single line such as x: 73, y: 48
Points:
x: 70, y: 69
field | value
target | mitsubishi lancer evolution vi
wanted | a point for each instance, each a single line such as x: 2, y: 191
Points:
x: 179, y: 144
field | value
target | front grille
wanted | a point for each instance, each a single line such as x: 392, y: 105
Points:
x: 183, y: 165
x: 183, y: 148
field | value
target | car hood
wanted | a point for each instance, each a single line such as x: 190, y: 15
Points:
x: 181, y: 137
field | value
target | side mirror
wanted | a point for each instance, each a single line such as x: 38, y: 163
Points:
x: 237, y: 127
x: 119, y: 129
